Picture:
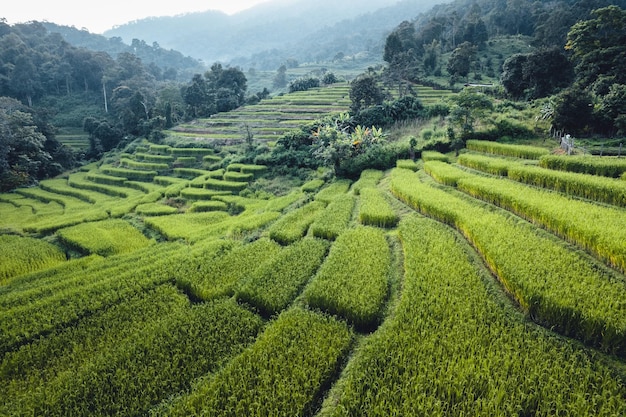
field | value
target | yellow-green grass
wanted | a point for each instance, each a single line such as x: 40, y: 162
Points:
x: 407, y: 164
x: 375, y: 210
x: 185, y: 226
x: 222, y: 276
x: 434, y: 156
x: 105, y: 238
x: 193, y: 193
x: 504, y: 149
x: 202, y: 206
x: 353, y: 280
x: 488, y: 164
x: 155, y: 209
x: 558, y: 287
x: 84, y: 292
x: 21, y: 255
x: 607, y: 166
x: 368, y: 178
x: 451, y: 345
x: 312, y: 185
x: 333, y: 191
x: 130, y: 345
x: 295, y: 224
x: 271, y: 288
x: 281, y: 374
x: 585, y: 224
x: 334, y: 220
x: 60, y: 186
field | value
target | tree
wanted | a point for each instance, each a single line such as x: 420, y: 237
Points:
x: 536, y: 75
x: 200, y: 102
x: 573, y: 111
x: 365, y: 92
x: 612, y: 109
x: 512, y: 77
x: 280, y: 79
x: 460, y: 62
x: 599, y: 46
x: 469, y: 107
x: 22, y: 146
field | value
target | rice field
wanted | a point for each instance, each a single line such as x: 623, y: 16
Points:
x: 165, y: 284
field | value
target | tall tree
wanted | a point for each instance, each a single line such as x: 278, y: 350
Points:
x: 599, y: 46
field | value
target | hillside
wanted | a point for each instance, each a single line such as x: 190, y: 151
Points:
x: 181, y: 282
x: 267, y: 35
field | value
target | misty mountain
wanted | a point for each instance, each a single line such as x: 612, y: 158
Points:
x: 269, y: 33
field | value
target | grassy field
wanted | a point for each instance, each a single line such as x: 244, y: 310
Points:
x: 168, y: 281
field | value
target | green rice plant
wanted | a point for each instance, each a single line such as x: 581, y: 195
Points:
x: 143, y: 166
x: 295, y: 224
x: 219, y: 185
x: 42, y: 195
x: 488, y: 164
x: 155, y: 209
x: 353, y: 280
x: 195, y: 152
x: 222, y: 276
x: 407, y: 164
x: 518, y: 151
x: 184, y: 226
x: 79, y: 294
x: 139, y: 374
x: 239, y: 204
x: 592, y: 187
x: 106, y: 179
x: 333, y: 191
x: 147, y: 157
x: 159, y: 149
x: 186, y: 161
x: 174, y: 190
x: 247, y: 169
x: 29, y: 373
x: 104, y: 238
x: 282, y: 374
x: 489, y: 363
x: 200, y: 193
x: 191, y: 172
x: 369, y: 179
x: 60, y: 186
x: 50, y: 224
x: 131, y: 174
x: 211, y: 159
x: 434, y: 156
x: 165, y: 181
x: 312, y: 185
x: 271, y: 288
x: 334, y: 219
x: 282, y: 202
x: 238, y: 176
x: 145, y: 187
x: 375, y: 210
x: 586, y: 224
x: 20, y: 255
x: 80, y: 181
x: 444, y: 173
x: 243, y: 224
x: 203, y: 206
x: 560, y: 288
x: 606, y: 166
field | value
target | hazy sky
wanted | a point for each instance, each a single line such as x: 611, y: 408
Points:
x: 98, y: 16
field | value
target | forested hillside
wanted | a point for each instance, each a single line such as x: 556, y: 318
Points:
x: 572, y: 52
x: 267, y: 35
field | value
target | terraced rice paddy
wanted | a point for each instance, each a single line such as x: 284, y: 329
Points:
x: 171, y: 290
